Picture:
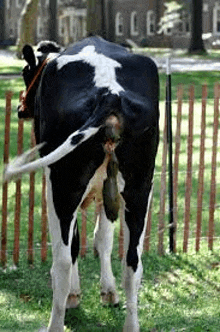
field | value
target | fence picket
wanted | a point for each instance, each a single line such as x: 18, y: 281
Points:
x: 161, y: 222
x: 176, y: 156
x: 161, y: 225
x: 214, y: 163
x: 188, y: 187
x: 149, y: 224
x: 8, y: 97
x: 18, y: 197
x: 83, y: 233
x: 201, y: 169
x: 31, y: 209
x: 43, y: 221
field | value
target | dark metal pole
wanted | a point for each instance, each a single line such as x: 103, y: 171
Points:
x: 170, y: 154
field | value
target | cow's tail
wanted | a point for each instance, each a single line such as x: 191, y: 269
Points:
x: 22, y: 163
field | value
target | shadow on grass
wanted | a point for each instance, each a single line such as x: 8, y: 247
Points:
x: 80, y: 320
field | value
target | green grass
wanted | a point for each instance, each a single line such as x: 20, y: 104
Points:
x: 187, y: 79
x: 179, y: 292
x: 11, y: 66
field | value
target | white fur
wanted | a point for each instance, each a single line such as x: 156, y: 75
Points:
x: 105, y: 76
x: 103, y: 243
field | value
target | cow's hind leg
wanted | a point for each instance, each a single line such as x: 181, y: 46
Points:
x: 63, y: 267
x: 103, y: 242
x: 73, y: 299
x: 136, y: 202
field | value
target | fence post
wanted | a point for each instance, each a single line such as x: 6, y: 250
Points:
x: 213, y: 174
x: 172, y: 229
x: 188, y: 187
x: 8, y: 97
x: 201, y: 169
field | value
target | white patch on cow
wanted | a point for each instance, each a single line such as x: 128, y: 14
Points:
x: 105, y: 76
x: 51, y: 56
x: 121, y: 182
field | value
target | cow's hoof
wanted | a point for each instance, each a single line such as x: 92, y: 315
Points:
x: 73, y: 301
x: 110, y: 298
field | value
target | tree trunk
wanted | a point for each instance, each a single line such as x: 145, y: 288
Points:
x: 196, y: 42
x: 53, y: 20
x: 2, y: 20
x: 27, y: 25
x: 95, y: 18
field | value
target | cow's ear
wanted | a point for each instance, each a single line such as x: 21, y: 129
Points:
x: 29, y: 56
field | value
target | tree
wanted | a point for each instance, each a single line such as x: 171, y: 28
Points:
x: 196, y: 41
x: 172, y: 16
x: 27, y: 25
x: 96, y: 17
x: 53, y: 20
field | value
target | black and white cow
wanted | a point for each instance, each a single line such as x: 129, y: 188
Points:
x: 95, y: 109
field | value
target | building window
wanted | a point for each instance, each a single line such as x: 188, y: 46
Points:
x: 18, y: 3
x: 183, y: 25
x: 11, y: 33
x: 205, y: 7
x: 119, y: 24
x: 216, y: 19
x: 61, y: 26
x: 134, y: 24
x: 39, y: 27
x: 151, y: 23
x: 168, y: 30
x: 8, y: 4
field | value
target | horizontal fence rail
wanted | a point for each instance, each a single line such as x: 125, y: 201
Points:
x: 184, y: 122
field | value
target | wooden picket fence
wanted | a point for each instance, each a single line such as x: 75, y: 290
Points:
x: 162, y: 223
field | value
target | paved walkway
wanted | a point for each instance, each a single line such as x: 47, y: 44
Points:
x: 187, y: 64
x: 177, y: 64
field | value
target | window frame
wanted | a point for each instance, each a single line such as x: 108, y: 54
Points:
x: 134, y: 26
x: 119, y: 24
x: 216, y: 8
x: 150, y: 22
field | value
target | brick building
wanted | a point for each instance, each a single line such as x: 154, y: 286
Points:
x: 124, y: 19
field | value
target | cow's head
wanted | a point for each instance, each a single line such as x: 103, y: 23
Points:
x: 32, y: 74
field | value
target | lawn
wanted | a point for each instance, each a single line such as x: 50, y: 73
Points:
x: 179, y: 292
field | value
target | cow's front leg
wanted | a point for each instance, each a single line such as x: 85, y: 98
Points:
x: 136, y: 202
x: 103, y: 242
